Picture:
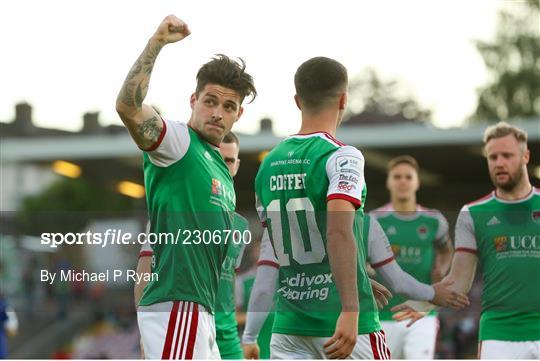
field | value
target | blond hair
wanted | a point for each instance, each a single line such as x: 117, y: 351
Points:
x: 502, y: 129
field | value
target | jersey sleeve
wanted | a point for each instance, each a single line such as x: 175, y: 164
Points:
x: 260, y: 210
x: 267, y: 256
x: 442, y: 235
x: 239, y: 291
x: 260, y: 303
x: 465, y: 235
x: 379, y: 249
x: 146, y: 248
x: 345, y: 171
x: 172, y: 145
x: 240, y: 256
x: 404, y: 284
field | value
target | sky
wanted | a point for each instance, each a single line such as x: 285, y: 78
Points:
x: 67, y: 57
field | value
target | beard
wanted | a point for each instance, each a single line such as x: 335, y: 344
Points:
x: 513, y: 179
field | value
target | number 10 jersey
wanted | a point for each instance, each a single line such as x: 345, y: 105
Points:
x: 293, y: 185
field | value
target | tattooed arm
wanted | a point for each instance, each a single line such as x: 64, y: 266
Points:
x: 142, y: 121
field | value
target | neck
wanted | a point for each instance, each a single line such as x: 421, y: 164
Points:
x: 520, y: 191
x: 324, y: 121
x: 404, y: 206
x: 212, y: 142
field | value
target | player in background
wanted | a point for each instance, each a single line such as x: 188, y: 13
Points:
x: 188, y: 188
x: 227, y: 337
x: 226, y: 325
x: 422, y: 247
x: 501, y: 232
x: 379, y: 255
x: 308, y: 189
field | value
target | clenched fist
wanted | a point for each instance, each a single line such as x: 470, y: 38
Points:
x: 171, y: 30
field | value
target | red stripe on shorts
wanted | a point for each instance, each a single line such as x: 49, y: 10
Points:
x: 373, y: 341
x: 193, y: 332
x: 386, y: 348
x: 382, y: 349
x: 170, y: 332
x: 186, y: 324
x: 182, y: 313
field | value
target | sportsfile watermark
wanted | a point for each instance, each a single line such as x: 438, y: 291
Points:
x: 120, y: 237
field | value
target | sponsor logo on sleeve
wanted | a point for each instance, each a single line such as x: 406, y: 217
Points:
x: 348, y: 164
x: 349, y: 178
x: 346, y: 186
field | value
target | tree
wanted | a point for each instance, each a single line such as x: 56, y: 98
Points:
x: 378, y: 100
x: 67, y: 205
x: 513, y: 62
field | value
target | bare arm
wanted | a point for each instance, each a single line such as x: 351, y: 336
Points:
x: 459, y: 280
x: 465, y: 258
x: 143, y: 267
x: 443, y: 259
x: 462, y: 272
x: 141, y: 120
x: 342, y: 250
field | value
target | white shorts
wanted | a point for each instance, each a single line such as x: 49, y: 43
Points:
x: 292, y: 347
x: 415, y: 342
x: 177, y: 330
x: 512, y: 350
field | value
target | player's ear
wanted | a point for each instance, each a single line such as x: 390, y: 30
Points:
x: 192, y: 100
x: 343, y: 101
x: 526, y: 156
x: 297, y: 101
x: 240, y: 112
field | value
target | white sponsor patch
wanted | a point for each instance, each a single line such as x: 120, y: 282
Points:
x: 348, y: 164
x: 345, y: 186
x: 349, y: 178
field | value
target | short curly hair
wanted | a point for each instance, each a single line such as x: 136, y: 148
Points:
x: 224, y: 71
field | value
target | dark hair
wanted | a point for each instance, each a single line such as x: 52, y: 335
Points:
x: 224, y: 71
x: 403, y: 159
x: 231, y: 138
x: 320, y: 80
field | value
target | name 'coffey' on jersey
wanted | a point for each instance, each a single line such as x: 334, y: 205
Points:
x: 293, y: 185
x: 505, y: 235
